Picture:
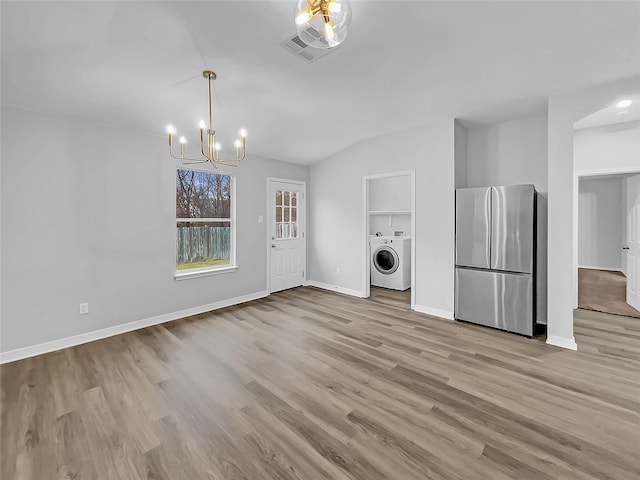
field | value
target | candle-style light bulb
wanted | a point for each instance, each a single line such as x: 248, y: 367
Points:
x: 329, y: 33
x: 238, y: 143
x: 201, y: 125
x: 218, y: 146
x: 243, y: 133
x: 182, y: 142
x: 170, y: 131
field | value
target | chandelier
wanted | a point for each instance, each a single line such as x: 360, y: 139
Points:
x: 323, y: 23
x: 210, y: 150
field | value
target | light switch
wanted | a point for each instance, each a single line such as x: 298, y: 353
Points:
x: 260, y: 219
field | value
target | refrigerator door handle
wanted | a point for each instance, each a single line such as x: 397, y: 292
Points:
x: 488, y: 218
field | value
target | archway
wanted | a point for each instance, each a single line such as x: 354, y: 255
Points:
x: 564, y: 110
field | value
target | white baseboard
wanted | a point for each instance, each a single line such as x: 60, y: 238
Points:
x: 32, y: 351
x: 590, y: 267
x: 434, y: 312
x: 335, y: 288
x: 568, y: 343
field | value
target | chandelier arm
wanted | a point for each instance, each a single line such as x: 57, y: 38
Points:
x: 205, y: 159
x: 184, y: 160
x: 214, y: 165
x: 202, y: 143
x: 233, y: 163
x: 213, y: 161
x: 189, y: 161
x: 227, y: 164
x: 202, y: 148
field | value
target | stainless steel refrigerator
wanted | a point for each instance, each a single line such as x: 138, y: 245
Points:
x: 496, y: 257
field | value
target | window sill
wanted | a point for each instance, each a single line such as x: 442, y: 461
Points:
x: 205, y: 272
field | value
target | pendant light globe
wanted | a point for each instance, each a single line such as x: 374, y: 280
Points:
x: 323, y: 23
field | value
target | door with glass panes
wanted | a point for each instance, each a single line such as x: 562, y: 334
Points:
x: 287, y: 234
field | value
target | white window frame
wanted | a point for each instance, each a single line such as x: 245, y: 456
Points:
x: 207, y: 271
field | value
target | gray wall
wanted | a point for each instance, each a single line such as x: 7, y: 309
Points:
x: 461, y: 141
x: 610, y: 147
x: 601, y: 232
x: 336, y: 211
x: 88, y: 215
x: 515, y: 153
x: 390, y: 193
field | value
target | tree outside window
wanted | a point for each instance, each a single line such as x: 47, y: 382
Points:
x: 203, y: 219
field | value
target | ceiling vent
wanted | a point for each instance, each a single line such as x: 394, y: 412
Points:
x: 303, y: 51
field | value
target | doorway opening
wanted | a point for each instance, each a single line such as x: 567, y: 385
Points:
x: 607, y: 209
x: 389, y: 238
x: 607, y: 230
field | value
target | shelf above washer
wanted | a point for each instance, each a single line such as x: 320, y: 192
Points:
x: 390, y: 213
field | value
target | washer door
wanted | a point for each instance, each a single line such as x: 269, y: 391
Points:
x: 386, y: 260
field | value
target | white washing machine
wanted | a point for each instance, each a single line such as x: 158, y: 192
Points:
x: 391, y: 262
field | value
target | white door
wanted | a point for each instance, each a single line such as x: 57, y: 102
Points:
x: 287, y: 234
x: 633, y: 240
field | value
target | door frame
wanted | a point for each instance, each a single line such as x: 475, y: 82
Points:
x: 583, y: 174
x: 303, y: 185
x: 366, y: 254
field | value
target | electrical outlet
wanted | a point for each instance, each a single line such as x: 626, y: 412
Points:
x: 84, y: 308
x: 338, y: 272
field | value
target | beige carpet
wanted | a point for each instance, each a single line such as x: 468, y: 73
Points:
x: 604, y: 291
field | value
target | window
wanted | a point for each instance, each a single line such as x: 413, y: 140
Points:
x: 204, y: 207
x: 286, y: 214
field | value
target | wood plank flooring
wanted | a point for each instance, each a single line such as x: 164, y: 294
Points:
x: 309, y: 385
x: 604, y: 291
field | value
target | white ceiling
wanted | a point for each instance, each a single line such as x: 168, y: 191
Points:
x: 613, y: 114
x: 139, y: 64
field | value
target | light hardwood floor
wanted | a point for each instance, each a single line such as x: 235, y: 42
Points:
x: 309, y: 385
x: 604, y: 291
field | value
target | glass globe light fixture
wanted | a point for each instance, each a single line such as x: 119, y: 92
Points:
x: 323, y: 23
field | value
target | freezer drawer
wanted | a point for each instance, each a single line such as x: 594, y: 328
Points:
x: 499, y: 300
x: 473, y: 223
x: 512, y: 228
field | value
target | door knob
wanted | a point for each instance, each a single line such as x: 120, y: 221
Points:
x: 625, y: 247
x: 273, y: 245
